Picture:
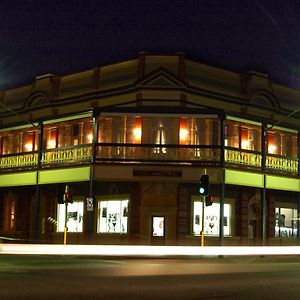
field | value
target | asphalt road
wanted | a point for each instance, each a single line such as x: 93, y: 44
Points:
x: 72, y: 277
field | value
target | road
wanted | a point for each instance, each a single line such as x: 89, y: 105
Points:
x: 75, y: 277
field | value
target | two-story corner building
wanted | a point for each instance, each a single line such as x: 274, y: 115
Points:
x: 136, y: 137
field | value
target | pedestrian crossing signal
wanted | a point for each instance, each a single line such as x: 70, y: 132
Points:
x: 209, y: 200
x: 68, y: 196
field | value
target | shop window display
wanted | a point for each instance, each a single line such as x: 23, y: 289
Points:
x: 211, y: 219
x: 113, y: 216
x: 285, y: 222
x: 74, y: 215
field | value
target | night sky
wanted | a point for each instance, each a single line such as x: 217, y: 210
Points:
x: 63, y: 37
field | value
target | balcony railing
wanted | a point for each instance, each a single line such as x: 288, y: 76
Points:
x: 282, y: 163
x: 158, y: 153
x: 243, y: 157
x: 18, y: 160
x: 67, y: 155
x: 150, y: 153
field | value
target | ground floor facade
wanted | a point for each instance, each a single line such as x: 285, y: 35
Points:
x: 150, y: 206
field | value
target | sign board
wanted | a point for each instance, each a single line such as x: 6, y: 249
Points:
x: 89, y: 203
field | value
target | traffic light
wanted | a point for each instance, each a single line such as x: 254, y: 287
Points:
x: 209, y: 200
x: 68, y: 196
x: 204, y: 183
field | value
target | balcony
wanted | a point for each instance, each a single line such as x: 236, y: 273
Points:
x: 150, y: 153
x: 153, y: 153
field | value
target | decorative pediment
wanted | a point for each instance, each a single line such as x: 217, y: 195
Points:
x: 161, y: 78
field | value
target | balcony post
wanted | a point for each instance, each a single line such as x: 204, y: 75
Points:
x: 298, y: 203
x: 90, y: 214
x: 264, y: 146
x: 222, y: 200
x: 222, y: 136
x: 38, y: 187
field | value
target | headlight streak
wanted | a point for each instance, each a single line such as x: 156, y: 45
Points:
x: 151, y: 251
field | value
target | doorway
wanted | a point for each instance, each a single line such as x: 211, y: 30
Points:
x: 158, y: 230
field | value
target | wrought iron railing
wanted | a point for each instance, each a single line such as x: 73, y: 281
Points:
x: 18, y: 160
x: 243, y: 157
x: 160, y: 153
x: 67, y: 155
x: 282, y: 163
x: 151, y: 153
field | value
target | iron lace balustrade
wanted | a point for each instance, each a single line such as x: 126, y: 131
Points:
x: 282, y: 163
x: 243, y: 157
x: 158, y: 153
x: 70, y: 154
x: 19, y: 160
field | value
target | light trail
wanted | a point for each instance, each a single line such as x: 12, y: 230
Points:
x: 151, y: 251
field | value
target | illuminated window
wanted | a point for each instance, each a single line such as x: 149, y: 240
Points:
x: 211, y: 219
x: 285, y: 222
x: 158, y: 226
x: 113, y: 216
x: 74, y: 217
x: 12, y: 222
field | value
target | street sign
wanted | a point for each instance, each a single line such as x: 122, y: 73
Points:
x: 89, y: 203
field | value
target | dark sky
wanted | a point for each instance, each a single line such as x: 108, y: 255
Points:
x: 62, y: 37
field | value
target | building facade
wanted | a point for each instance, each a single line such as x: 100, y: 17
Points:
x: 132, y: 140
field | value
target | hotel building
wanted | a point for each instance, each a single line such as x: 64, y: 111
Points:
x: 132, y: 140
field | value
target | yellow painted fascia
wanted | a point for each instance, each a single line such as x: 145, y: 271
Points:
x: 18, y: 179
x: 244, y: 178
x: 282, y: 183
x: 64, y: 175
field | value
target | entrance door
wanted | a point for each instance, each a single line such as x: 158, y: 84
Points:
x: 158, y: 230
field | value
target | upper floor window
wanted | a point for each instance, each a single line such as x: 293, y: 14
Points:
x: 243, y: 136
x: 282, y: 143
x: 68, y: 133
x: 120, y: 129
x: 18, y: 141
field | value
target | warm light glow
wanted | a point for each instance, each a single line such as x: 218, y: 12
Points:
x: 137, y: 131
x: 272, y: 149
x: 183, y: 131
x: 29, y: 147
x: 51, y: 144
x: 90, y: 138
x: 245, y: 144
